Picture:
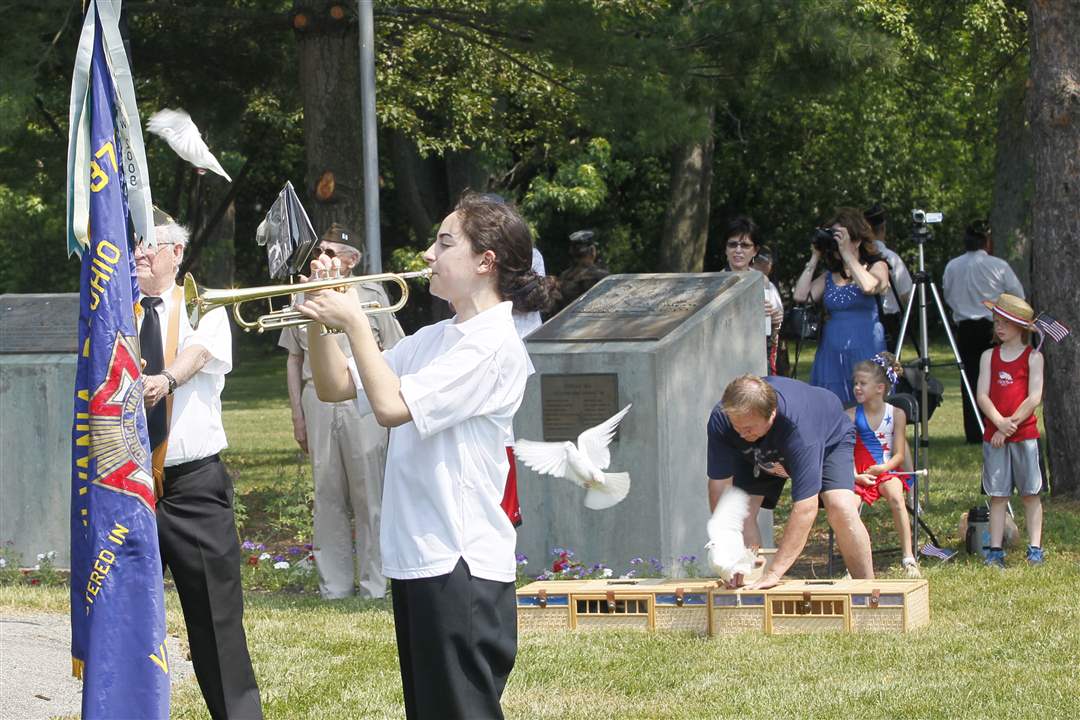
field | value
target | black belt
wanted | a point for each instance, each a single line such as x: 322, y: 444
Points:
x: 173, y: 471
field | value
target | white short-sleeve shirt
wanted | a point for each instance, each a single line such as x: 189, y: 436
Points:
x: 773, y: 296
x: 899, y: 277
x: 446, y: 469
x: 973, y: 277
x: 195, y: 427
x: 526, y: 322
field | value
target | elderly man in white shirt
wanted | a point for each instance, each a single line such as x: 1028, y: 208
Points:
x: 970, y: 279
x: 184, y: 375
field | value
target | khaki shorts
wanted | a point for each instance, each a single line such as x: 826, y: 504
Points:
x: 1015, y: 464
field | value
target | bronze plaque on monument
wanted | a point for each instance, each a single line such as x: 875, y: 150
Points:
x: 634, y: 307
x: 573, y: 403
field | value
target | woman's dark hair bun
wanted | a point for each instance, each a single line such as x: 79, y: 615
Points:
x: 492, y: 223
x: 530, y: 291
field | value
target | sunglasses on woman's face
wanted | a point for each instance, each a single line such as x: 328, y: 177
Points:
x: 732, y: 244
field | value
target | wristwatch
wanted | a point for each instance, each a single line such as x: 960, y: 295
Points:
x: 171, y: 379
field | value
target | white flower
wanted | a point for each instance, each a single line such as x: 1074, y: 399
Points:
x: 40, y: 556
x: 608, y: 572
x: 281, y: 565
x: 3, y: 562
x: 264, y: 556
x: 50, y: 555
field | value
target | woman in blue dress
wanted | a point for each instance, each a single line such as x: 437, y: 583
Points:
x: 855, y: 275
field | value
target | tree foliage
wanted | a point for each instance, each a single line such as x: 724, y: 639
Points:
x: 572, y: 108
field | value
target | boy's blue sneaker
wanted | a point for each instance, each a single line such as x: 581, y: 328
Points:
x: 995, y: 558
x: 1034, y: 555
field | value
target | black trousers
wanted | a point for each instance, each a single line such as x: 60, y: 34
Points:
x: 973, y: 338
x: 891, y: 323
x: 456, y: 639
x: 197, y: 535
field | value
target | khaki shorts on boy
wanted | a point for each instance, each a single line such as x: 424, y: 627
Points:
x: 1015, y: 464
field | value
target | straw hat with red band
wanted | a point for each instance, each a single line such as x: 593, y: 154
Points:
x: 1013, y: 309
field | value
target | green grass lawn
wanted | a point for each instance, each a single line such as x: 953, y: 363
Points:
x: 1002, y: 644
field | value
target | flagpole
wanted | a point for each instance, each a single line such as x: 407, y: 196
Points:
x: 372, y: 240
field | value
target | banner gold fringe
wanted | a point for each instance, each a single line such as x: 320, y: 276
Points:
x: 77, y: 666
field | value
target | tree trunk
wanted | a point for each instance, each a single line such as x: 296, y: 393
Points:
x: 464, y: 171
x: 328, y: 55
x: 419, y: 195
x: 1010, y: 210
x: 218, y: 261
x: 1055, y: 125
x: 686, y: 222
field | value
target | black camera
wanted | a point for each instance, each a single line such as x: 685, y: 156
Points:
x: 824, y: 240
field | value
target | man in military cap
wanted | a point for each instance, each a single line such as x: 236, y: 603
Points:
x: 348, y: 451
x: 586, y: 271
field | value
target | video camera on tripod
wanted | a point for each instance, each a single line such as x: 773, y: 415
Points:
x: 921, y: 217
x: 920, y: 220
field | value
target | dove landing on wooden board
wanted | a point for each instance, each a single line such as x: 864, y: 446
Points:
x: 582, y: 464
x: 728, y: 555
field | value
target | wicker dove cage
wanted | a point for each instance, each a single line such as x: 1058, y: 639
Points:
x: 640, y: 604
x: 704, y: 607
x: 821, y: 606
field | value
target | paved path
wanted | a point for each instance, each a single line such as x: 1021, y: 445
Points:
x: 35, y: 667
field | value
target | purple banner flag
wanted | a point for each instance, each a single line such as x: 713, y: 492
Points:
x: 117, y: 603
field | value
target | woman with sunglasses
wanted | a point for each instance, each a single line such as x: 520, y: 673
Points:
x: 740, y: 247
x: 448, y: 393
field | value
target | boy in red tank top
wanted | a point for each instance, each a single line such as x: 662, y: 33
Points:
x: 1010, y: 389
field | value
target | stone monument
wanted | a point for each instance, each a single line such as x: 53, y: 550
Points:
x: 38, y: 335
x: 669, y: 344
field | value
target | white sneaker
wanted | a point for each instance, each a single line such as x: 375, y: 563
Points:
x: 911, y: 568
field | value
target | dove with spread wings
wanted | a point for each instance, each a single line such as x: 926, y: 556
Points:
x: 178, y: 129
x: 728, y: 555
x: 582, y: 464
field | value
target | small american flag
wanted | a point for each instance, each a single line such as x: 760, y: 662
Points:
x: 931, y: 550
x: 1049, y: 326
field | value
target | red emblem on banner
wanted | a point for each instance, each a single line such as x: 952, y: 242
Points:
x: 123, y: 460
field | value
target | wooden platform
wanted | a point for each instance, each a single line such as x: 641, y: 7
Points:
x: 704, y: 607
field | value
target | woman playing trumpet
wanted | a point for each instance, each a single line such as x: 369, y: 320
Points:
x: 449, y: 394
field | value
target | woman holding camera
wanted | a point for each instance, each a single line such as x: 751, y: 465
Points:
x: 855, y: 275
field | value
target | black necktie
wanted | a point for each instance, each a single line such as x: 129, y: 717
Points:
x: 154, y: 355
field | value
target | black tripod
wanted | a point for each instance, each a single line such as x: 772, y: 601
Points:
x: 920, y: 233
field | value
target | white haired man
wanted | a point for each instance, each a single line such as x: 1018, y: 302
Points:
x: 183, y: 376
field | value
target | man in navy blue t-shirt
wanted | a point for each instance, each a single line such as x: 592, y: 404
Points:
x: 766, y: 430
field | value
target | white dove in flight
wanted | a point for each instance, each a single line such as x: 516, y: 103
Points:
x: 728, y: 556
x: 177, y: 128
x: 582, y: 464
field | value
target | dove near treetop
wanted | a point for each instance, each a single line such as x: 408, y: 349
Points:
x: 178, y: 129
x: 583, y: 463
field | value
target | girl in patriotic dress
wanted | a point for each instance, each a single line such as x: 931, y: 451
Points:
x: 880, y: 444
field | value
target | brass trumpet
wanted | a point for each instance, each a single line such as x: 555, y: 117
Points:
x: 198, y: 300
